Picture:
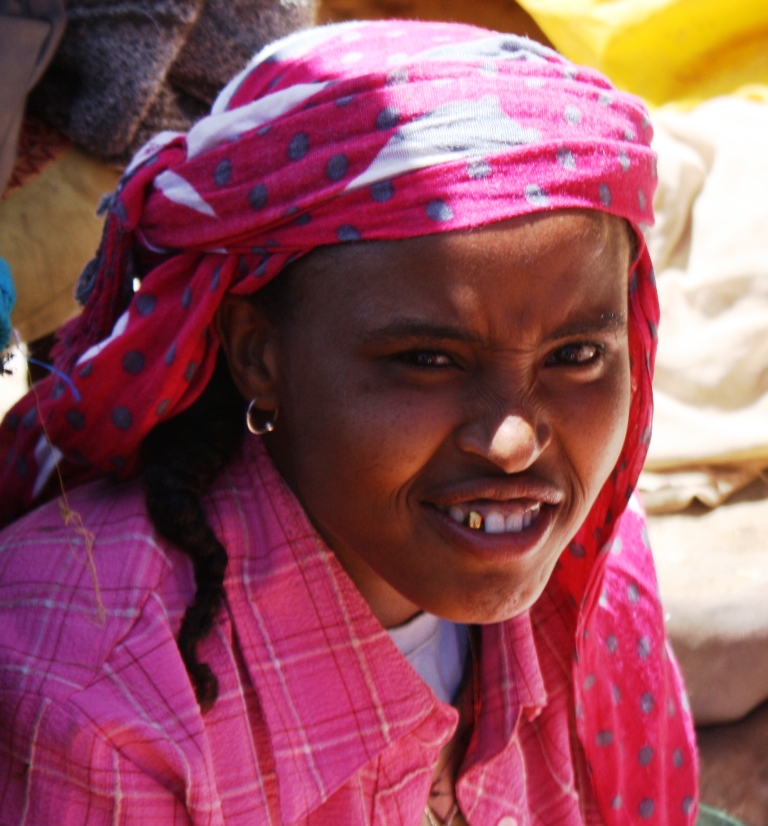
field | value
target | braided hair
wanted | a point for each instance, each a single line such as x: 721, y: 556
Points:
x: 181, y: 457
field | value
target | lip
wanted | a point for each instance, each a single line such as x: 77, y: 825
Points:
x: 497, y: 490
x: 500, y: 546
x: 494, y: 546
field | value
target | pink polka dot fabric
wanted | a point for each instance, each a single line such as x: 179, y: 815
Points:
x: 360, y: 131
x: 377, y: 130
x: 632, y: 714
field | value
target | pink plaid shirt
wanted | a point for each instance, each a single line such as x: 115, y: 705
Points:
x: 320, y: 719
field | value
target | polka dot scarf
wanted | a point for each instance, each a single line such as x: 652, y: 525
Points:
x: 375, y: 130
x: 378, y: 130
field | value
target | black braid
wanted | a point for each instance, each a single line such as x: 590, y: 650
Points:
x: 181, y: 459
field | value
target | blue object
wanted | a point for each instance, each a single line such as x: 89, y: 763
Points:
x: 7, y: 300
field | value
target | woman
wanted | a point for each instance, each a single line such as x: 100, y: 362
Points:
x: 450, y: 383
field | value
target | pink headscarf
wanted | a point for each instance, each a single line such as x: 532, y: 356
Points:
x: 376, y: 130
x: 357, y: 131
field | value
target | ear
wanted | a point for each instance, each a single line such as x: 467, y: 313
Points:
x: 249, y: 341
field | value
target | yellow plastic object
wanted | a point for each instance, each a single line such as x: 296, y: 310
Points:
x: 663, y: 50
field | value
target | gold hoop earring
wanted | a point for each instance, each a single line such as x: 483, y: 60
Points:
x: 259, y: 430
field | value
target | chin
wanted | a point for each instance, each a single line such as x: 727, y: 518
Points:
x: 490, y: 605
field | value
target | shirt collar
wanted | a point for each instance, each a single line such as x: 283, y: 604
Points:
x: 510, y: 683
x: 334, y: 690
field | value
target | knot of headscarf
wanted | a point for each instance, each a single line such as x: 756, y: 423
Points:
x: 359, y: 131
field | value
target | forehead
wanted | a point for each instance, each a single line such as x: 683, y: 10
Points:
x: 523, y: 272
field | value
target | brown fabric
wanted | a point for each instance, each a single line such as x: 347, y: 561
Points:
x: 29, y: 33
x: 48, y: 232
x: 734, y: 767
x: 126, y: 70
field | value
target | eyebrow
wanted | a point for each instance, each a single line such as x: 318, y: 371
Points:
x: 407, y: 328
x: 605, y: 323
x: 416, y: 329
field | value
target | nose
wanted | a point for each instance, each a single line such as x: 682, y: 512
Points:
x: 513, y: 441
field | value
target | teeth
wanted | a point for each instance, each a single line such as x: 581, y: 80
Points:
x: 474, y: 521
x: 494, y: 521
x: 514, y: 522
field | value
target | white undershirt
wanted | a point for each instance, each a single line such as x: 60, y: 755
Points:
x: 436, y: 649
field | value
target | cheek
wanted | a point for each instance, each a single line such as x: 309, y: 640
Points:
x: 352, y: 437
x: 614, y: 419
x: 617, y: 421
x: 594, y: 428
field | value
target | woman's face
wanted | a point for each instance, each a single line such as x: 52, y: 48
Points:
x: 451, y: 405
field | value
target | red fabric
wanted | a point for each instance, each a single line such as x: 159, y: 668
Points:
x: 39, y: 146
x: 320, y: 720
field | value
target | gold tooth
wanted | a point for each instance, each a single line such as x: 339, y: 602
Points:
x: 474, y: 521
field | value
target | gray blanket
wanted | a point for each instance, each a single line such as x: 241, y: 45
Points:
x: 126, y: 70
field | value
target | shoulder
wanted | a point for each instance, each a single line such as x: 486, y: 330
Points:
x: 76, y: 575
x: 59, y: 766
x: 632, y: 714
x: 630, y: 584
x: 624, y: 613
x: 93, y: 690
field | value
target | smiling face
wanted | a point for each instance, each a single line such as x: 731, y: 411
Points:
x: 450, y: 405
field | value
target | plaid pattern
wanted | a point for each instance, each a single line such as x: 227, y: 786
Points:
x: 320, y: 719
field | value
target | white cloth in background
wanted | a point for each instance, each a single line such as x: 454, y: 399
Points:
x: 710, y: 251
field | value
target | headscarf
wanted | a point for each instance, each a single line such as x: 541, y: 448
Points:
x: 377, y: 130
x: 358, y: 131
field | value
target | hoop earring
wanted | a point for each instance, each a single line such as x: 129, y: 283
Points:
x: 259, y: 430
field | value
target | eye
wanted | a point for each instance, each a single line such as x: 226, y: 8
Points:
x: 426, y: 359
x: 578, y: 354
